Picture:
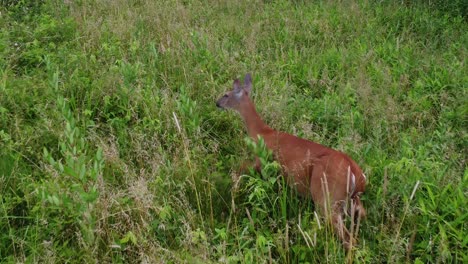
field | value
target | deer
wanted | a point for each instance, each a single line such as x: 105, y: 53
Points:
x: 331, y: 178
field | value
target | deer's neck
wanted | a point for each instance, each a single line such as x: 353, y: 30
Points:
x: 253, y: 121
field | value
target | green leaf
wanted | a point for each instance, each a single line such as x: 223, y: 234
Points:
x: 69, y: 171
x: 99, y: 154
x: 129, y: 237
x: 82, y: 171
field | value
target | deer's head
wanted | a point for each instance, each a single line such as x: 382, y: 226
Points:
x: 237, y: 95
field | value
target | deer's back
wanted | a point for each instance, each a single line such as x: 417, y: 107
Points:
x: 301, y: 159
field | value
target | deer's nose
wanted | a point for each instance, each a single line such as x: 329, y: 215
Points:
x: 218, y: 105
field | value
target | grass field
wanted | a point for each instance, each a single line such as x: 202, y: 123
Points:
x: 112, y: 149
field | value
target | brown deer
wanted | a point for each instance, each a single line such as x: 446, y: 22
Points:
x: 330, y: 177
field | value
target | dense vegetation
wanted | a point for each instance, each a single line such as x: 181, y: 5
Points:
x: 112, y: 149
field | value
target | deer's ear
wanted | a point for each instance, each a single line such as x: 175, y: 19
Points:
x: 248, y: 83
x: 236, y: 87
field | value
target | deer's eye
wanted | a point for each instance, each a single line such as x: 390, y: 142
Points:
x: 225, y: 95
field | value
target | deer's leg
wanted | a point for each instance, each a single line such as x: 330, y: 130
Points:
x: 256, y: 165
x: 331, y: 204
x: 357, y: 212
x: 360, y: 212
x: 339, y: 225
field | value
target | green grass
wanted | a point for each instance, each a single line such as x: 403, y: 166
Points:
x: 112, y: 149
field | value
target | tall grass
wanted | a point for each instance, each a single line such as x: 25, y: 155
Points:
x: 112, y: 150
